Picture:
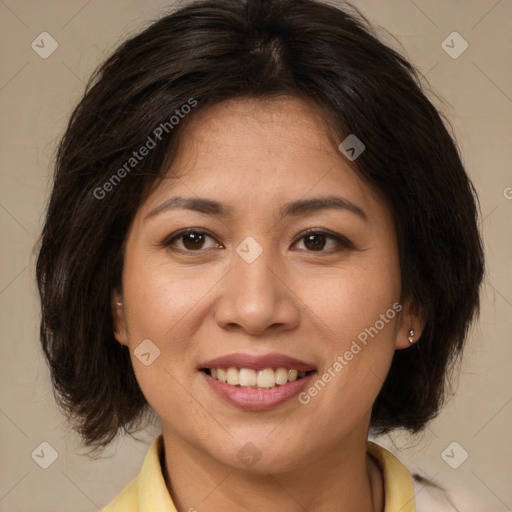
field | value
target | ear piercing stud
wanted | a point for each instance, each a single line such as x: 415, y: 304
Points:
x: 411, y: 336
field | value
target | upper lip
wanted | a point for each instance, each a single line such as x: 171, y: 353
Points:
x: 273, y: 360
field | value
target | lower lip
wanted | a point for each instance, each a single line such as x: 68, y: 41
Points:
x: 257, y: 399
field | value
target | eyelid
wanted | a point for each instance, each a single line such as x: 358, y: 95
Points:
x: 342, y: 241
x: 169, y: 240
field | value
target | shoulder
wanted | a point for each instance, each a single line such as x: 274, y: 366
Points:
x: 148, y: 490
x: 430, y: 497
x: 407, y: 491
x: 126, y: 500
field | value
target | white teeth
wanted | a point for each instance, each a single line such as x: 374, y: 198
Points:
x: 281, y: 376
x: 249, y: 378
x: 221, y: 374
x: 232, y: 376
x: 266, y: 378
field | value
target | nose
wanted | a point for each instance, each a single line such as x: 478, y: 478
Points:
x: 256, y: 298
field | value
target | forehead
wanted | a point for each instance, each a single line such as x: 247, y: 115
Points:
x: 269, y: 126
x: 257, y: 153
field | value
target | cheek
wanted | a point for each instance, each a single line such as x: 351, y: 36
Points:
x: 158, y: 308
x: 158, y: 304
x: 357, y: 311
x: 351, y: 300
x: 159, y: 297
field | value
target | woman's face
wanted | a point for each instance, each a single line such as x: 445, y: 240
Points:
x: 249, y: 284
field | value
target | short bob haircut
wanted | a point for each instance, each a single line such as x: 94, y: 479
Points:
x: 204, y: 53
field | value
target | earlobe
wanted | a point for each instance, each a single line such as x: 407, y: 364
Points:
x: 118, y: 318
x: 410, y: 328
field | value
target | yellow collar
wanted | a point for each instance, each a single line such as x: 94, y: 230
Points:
x: 147, y: 492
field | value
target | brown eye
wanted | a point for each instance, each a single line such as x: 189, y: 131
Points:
x: 190, y: 240
x: 316, y: 241
x: 193, y: 240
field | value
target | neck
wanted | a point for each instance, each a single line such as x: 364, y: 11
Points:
x: 345, y: 479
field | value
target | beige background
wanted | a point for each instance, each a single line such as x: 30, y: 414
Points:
x: 36, y: 98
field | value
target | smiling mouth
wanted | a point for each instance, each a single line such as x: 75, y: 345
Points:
x: 266, y: 378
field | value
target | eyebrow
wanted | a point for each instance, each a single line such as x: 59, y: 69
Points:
x: 291, y: 209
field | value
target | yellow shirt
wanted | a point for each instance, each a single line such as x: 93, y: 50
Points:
x: 147, y: 492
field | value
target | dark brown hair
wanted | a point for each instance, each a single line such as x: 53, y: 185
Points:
x: 214, y: 50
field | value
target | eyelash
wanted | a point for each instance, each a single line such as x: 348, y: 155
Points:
x: 343, y: 242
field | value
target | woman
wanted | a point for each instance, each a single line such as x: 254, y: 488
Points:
x: 261, y: 230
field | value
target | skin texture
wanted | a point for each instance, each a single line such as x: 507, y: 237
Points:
x: 305, y: 301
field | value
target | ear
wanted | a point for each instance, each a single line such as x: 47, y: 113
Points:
x: 410, y: 319
x: 118, y: 317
